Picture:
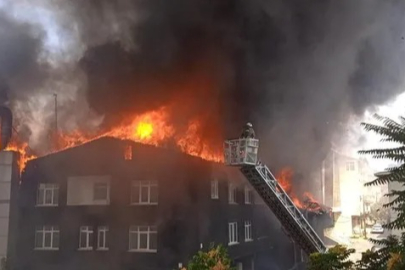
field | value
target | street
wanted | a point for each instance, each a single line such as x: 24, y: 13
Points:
x: 362, y: 245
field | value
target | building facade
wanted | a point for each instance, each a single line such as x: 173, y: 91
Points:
x: 392, y: 213
x: 113, y: 204
x: 343, y: 184
x: 9, y: 181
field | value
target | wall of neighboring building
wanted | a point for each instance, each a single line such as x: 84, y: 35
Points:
x: 350, y: 186
x: 344, y: 184
x: 393, y: 214
x: 6, y: 159
x: 9, y: 181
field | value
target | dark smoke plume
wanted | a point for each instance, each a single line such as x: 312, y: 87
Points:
x: 296, y: 68
x: 20, y: 46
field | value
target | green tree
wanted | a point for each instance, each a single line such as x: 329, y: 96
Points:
x: 216, y: 258
x: 378, y: 212
x: 390, y: 256
x: 378, y: 260
x: 336, y: 258
x: 370, y: 260
x: 391, y: 131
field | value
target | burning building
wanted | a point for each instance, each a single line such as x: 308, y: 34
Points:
x: 121, y: 197
x: 116, y: 204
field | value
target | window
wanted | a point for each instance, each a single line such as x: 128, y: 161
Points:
x: 144, y: 192
x: 128, y: 152
x: 48, y: 195
x: 101, y: 191
x: 248, y: 231
x: 102, y: 232
x: 86, y: 237
x: 248, y: 195
x: 88, y: 190
x: 214, y: 189
x: 233, y: 233
x: 143, y: 238
x: 47, y: 237
x: 232, y: 193
x: 350, y: 166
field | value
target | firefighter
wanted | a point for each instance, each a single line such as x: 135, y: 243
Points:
x: 248, y: 132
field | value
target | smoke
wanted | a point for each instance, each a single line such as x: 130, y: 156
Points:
x: 296, y: 69
x: 33, y: 70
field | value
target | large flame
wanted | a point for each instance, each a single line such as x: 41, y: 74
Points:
x: 153, y: 128
x: 284, y: 178
x: 193, y: 144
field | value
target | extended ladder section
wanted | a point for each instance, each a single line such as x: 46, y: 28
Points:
x: 283, y: 208
x: 243, y: 153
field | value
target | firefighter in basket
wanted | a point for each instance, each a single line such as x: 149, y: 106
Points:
x: 248, y: 132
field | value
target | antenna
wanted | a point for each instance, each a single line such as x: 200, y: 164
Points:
x: 56, y: 112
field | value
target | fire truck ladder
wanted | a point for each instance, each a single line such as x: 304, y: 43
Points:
x: 243, y: 153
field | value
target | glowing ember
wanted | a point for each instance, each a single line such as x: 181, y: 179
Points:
x: 152, y: 128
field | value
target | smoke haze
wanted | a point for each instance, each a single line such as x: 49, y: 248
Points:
x: 296, y: 69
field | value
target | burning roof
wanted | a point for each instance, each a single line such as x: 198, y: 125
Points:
x: 152, y: 128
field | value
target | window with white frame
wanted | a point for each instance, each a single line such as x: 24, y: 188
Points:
x: 214, y: 189
x: 48, y: 194
x: 248, y: 195
x: 143, y: 238
x: 102, y: 233
x: 233, y: 233
x: 47, y: 237
x: 232, y: 193
x: 248, y: 231
x: 86, y: 237
x: 350, y: 166
x: 101, y: 191
x: 144, y: 192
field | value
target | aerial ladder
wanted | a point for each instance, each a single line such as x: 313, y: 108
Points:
x: 243, y: 153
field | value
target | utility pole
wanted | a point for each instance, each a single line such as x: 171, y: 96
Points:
x: 362, y: 199
x: 56, y: 112
x: 55, y: 132
x: 323, y: 182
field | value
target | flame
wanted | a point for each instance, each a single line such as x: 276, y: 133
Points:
x: 23, y: 150
x: 284, y: 178
x: 192, y: 144
x: 311, y: 202
x: 153, y: 128
x: 144, y: 130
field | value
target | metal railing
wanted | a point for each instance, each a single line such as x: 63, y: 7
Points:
x: 283, y: 207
